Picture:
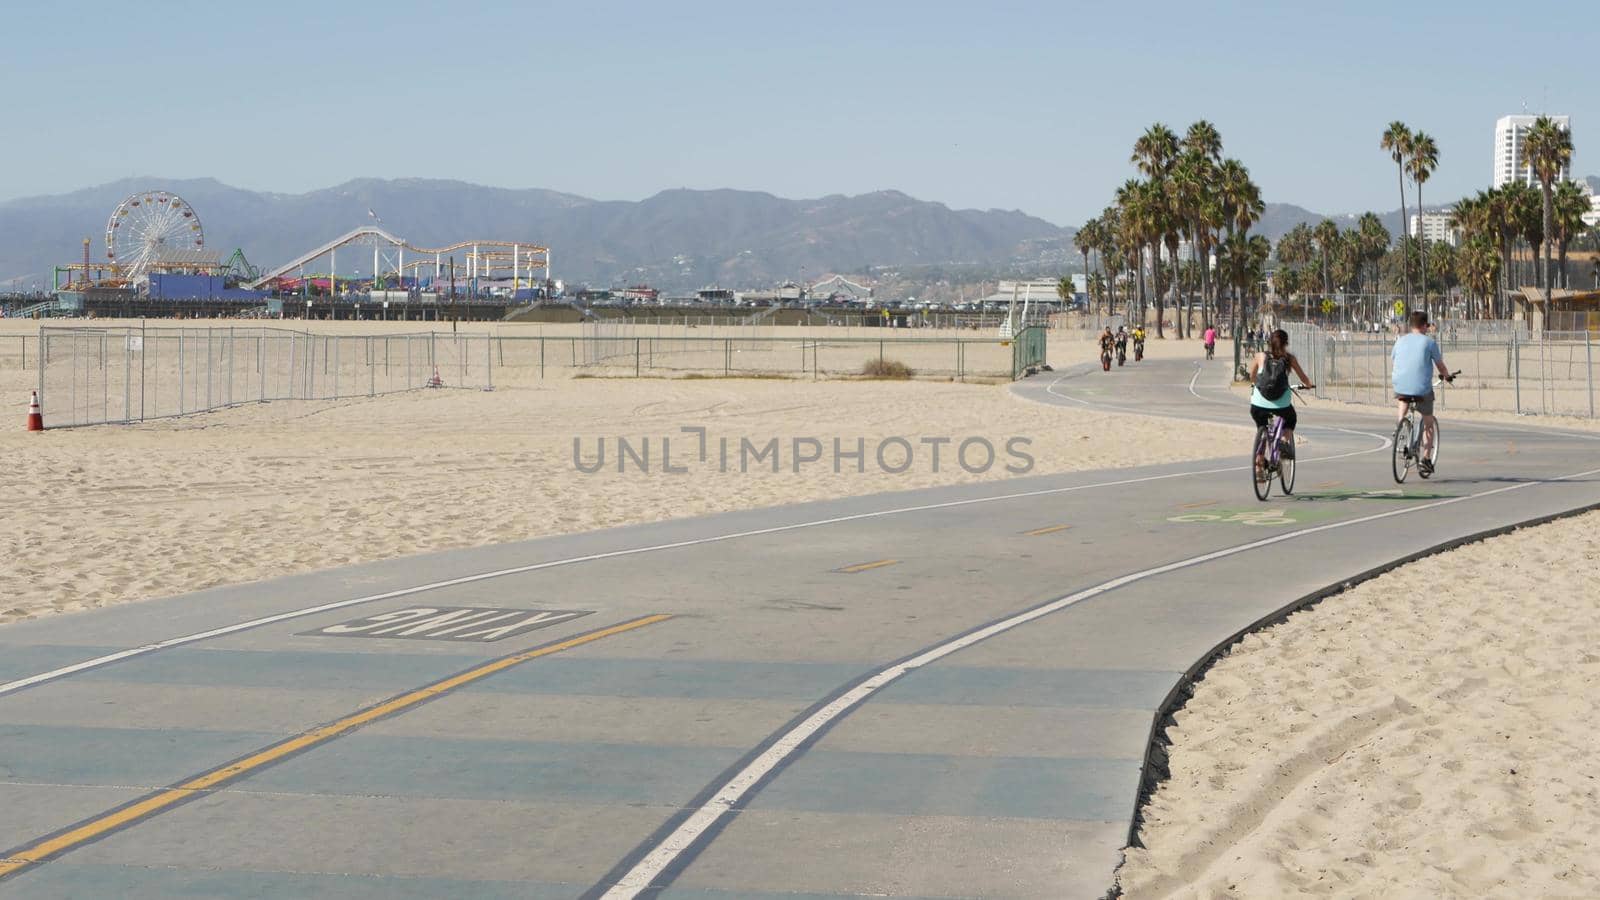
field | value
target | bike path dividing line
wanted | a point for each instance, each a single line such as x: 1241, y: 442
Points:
x: 66, y: 840
x: 661, y: 858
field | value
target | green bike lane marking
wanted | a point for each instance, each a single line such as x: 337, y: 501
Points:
x: 1298, y: 508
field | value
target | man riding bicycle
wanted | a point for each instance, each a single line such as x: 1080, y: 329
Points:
x: 1107, y: 341
x: 1138, y: 342
x: 1416, y: 356
x: 1122, y: 343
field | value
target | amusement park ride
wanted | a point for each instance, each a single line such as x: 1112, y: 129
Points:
x: 148, y: 233
x: 158, y: 232
x: 483, y: 261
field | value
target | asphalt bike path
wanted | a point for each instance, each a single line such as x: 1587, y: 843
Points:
x: 936, y: 693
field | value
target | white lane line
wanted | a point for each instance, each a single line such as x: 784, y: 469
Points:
x: 642, y: 876
x: 43, y: 677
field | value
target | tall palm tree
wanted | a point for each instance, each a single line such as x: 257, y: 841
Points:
x: 1192, y: 181
x: 1571, y: 204
x: 1136, y: 219
x: 1527, y: 215
x: 1424, y: 161
x: 1204, y: 142
x: 1397, y: 140
x: 1327, y: 237
x: 1109, y: 247
x: 1374, y: 244
x: 1155, y: 153
x: 1084, y: 240
x: 1549, y: 152
x: 1240, y: 199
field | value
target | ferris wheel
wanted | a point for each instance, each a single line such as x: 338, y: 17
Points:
x: 150, y: 227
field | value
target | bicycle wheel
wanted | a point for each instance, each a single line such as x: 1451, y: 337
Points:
x: 1433, y: 454
x: 1402, y: 450
x: 1286, y: 473
x: 1262, y: 486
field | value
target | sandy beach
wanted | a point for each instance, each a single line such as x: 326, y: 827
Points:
x: 115, y: 514
x: 1426, y: 734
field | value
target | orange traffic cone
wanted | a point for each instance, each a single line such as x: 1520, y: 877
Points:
x: 35, y: 418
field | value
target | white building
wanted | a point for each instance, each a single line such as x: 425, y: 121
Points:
x: 1509, y: 163
x: 1592, y: 217
x: 1435, y: 227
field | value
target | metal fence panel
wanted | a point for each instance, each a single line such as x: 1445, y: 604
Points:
x: 90, y: 376
x: 1552, y: 373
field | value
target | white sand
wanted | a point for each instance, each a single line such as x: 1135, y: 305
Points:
x: 1428, y: 734
x: 113, y: 514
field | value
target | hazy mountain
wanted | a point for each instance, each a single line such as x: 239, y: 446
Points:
x: 676, y: 240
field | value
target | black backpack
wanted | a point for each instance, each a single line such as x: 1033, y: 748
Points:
x: 1273, y: 379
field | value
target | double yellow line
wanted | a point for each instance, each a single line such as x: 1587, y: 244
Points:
x: 49, y: 847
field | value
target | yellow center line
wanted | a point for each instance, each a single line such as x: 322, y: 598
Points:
x: 1198, y: 504
x: 159, y: 801
x: 1050, y: 530
x: 862, y: 567
x: 1329, y: 484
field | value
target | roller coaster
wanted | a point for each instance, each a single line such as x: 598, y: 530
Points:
x: 483, y: 260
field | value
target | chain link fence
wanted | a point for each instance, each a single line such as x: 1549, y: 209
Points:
x: 91, y: 376
x: 1502, y: 370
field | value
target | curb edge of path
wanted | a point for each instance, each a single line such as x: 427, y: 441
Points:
x: 1154, y: 770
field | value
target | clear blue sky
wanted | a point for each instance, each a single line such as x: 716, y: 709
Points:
x: 1032, y: 106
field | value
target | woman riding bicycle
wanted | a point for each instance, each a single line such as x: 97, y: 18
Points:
x: 1271, y: 395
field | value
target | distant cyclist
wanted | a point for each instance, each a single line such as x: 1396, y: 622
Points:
x: 1122, y: 344
x: 1271, y: 395
x: 1138, y: 342
x: 1107, y: 343
x: 1210, y: 338
x: 1416, y: 356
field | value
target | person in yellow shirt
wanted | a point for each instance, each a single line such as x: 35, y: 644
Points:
x: 1138, y: 342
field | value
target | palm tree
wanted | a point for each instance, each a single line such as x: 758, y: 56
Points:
x: 1424, y: 160
x: 1527, y: 216
x: 1155, y: 153
x: 1241, y: 204
x: 1397, y: 140
x: 1327, y: 236
x: 1549, y: 152
x: 1109, y: 247
x: 1135, y: 217
x: 1571, y: 205
x: 1193, y: 179
x: 1374, y: 244
x: 1084, y: 240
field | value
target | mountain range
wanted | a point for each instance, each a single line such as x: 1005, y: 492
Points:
x: 677, y: 240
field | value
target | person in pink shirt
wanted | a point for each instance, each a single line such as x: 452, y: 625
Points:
x: 1210, y: 338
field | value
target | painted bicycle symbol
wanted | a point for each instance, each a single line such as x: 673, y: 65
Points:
x: 1256, y: 517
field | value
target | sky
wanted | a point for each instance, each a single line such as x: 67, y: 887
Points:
x: 1031, y: 106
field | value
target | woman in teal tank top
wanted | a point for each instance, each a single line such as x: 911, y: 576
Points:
x: 1279, y: 362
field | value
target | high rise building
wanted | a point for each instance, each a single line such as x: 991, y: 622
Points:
x: 1435, y: 227
x: 1509, y: 163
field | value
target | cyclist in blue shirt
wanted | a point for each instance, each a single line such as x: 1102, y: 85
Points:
x: 1416, y: 356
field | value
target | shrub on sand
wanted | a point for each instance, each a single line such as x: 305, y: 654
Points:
x: 886, y: 368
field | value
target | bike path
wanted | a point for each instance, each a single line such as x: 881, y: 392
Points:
x: 685, y: 756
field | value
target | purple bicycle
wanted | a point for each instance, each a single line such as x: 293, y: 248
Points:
x: 1269, y: 447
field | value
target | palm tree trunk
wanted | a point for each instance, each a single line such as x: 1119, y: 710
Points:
x: 1545, y: 239
x: 1405, y: 225
x: 1422, y: 249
